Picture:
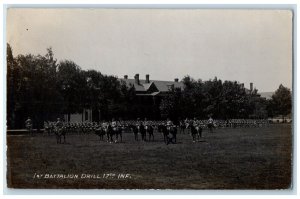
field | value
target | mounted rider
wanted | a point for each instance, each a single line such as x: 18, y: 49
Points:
x: 169, y: 124
x: 195, y: 122
x: 146, y: 123
x: 59, y: 124
x: 210, y: 121
x: 139, y: 123
x: 114, y: 124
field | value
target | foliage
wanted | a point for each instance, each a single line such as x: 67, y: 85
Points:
x: 39, y: 87
x: 43, y: 89
x: 281, y: 103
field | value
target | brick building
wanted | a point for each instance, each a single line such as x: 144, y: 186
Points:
x: 149, y: 94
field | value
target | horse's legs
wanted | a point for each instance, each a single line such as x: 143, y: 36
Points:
x: 152, y: 136
x: 111, y: 137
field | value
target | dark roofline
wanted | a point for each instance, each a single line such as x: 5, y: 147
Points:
x: 151, y: 80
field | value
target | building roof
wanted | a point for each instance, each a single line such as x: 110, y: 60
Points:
x: 162, y: 86
x: 151, y: 94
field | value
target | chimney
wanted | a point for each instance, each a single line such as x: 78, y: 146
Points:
x: 251, y: 86
x: 136, y: 78
x: 176, y: 79
x: 125, y: 76
x: 147, y: 79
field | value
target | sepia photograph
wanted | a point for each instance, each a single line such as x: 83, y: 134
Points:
x: 140, y: 99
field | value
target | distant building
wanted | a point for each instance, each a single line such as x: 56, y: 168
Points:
x: 267, y: 95
x: 151, y: 88
x: 149, y: 94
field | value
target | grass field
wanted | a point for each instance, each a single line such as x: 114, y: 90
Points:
x: 252, y: 158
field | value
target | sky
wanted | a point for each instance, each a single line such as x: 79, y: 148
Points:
x: 237, y: 45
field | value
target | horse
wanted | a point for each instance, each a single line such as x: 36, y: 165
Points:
x: 135, y: 132
x: 196, y: 132
x: 142, y: 131
x: 163, y: 129
x: 48, y: 128
x: 118, y: 131
x: 100, y: 132
x: 59, y: 132
x: 182, y: 127
x: 109, y: 133
x: 173, y: 132
x: 149, y: 130
x: 210, y: 126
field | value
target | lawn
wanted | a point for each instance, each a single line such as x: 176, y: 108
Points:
x: 249, y: 158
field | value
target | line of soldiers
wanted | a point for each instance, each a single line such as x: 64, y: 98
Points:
x: 113, y: 129
x: 230, y: 123
x: 85, y: 127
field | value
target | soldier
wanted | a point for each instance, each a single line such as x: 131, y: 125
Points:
x: 210, y: 124
x: 28, y: 125
x: 47, y: 127
x: 182, y: 126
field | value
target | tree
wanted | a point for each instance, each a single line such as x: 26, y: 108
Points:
x: 171, y: 105
x: 282, y: 101
x: 32, y: 88
x: 10, y: 87
x: 72, y: 85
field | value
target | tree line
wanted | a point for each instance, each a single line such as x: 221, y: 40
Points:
x: 223, y: 100
x: 44, y: 89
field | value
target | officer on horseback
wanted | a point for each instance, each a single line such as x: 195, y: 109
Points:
x: 59, y: 123
x: 169, y: 124
x: 141, y: 129
x: 114, y: 124
x: 149, y: 129
x: 59, y: 131
x: 171, y: 132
